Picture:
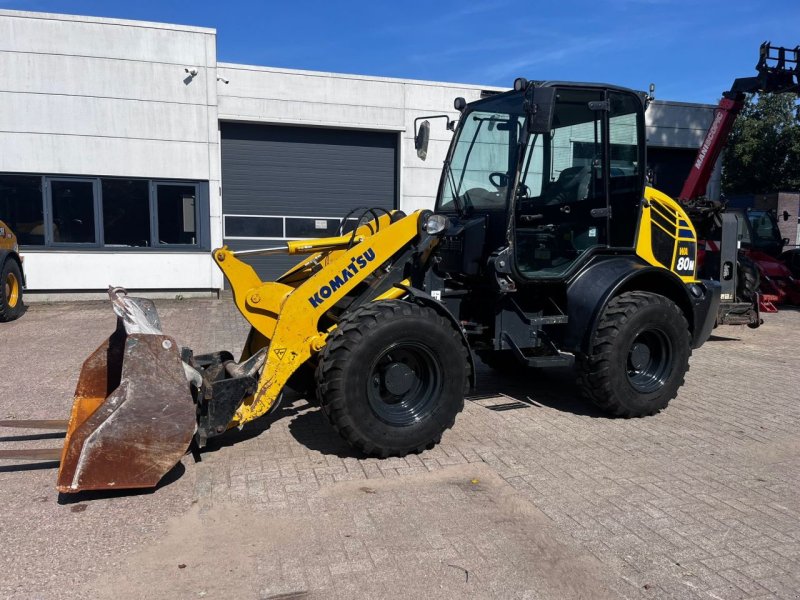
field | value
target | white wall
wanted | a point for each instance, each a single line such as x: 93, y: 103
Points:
x: 133, y: 270
x: 270, y: 95
x: 89, y: 96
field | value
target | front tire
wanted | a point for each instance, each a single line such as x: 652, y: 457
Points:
x: 639, y: 355
x: 391, y: 378
x: 11, y: 304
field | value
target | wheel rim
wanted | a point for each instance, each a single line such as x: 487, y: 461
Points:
x: 11, y: 290
x: 649, y: 362
x: 404, y: 382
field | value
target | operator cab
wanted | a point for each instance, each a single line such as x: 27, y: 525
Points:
x: 759, y: 230
x: 554, y: 171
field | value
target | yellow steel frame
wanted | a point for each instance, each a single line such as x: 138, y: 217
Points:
x: 285, y: 314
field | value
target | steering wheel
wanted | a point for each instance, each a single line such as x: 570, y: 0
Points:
x: 502, y: 179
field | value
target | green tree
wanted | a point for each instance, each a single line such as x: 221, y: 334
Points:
x: 763, y: 153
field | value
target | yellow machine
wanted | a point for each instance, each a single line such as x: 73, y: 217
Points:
x: 12, y: 279
x: 545, y: 248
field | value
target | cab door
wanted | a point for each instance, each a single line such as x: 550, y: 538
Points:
x: 626, y: 148
x: 561, y: 205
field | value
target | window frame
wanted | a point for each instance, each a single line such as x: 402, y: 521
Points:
x: 48, y: 212
x: 283, y: 219
x: 154, y: 236
x: 201, y: 209
x: 102, y: 214
x: 43, y: 195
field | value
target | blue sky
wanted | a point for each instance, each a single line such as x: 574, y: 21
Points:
x: 691, y: 49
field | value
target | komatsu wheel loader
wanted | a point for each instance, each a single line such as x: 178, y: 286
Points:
x: 544, y: 248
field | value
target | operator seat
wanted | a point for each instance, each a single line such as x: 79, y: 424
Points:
x: 572, y: 185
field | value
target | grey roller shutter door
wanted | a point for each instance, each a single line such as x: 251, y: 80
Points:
x: 309, y: 173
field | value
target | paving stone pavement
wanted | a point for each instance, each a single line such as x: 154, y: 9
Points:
x: 700, y: 501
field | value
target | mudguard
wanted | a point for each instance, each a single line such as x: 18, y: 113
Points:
x: 424, y: 299
x: 608, y: 276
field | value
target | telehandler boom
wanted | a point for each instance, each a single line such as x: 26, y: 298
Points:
x: 545, y: 248
x: 777, y: 72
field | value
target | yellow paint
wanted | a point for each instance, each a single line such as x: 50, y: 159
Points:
x: 285, y: 314
x: 658, y: 203
x: 395, y: 292
x: 11, y: 290
x: 8, y: 241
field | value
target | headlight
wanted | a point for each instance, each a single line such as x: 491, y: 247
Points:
x: 435, y: 224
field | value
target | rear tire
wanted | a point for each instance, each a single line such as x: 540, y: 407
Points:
x: 639, y: 355
x: 748, y: 279
x: 11, y: 304
x: 391, y: 378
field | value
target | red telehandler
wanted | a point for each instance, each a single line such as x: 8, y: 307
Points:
x: 757, y: 280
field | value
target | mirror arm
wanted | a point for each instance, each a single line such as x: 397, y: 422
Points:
x: 451, y: 123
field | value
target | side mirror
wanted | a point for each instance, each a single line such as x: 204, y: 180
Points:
x: 786, y: 215
x: 540, y: 103
x: 422, y: 138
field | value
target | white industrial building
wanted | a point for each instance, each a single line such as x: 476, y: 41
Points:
x: 127, y: 152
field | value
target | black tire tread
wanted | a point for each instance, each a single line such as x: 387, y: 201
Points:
x: 592, y: 369
x: 748, y: 279
x: 7, y: 313
x: 336, y: 354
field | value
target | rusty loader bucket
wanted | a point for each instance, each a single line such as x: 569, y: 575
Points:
x: 133, y: 416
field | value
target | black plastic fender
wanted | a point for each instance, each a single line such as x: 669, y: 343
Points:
x: 424, y: 299
x: 608, y: 276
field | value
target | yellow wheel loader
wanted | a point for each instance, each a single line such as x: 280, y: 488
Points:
x: 12, y: 279
x: 545, y: 248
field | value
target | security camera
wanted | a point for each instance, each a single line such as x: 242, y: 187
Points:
x: 192, y: 72
x: 223, y: 80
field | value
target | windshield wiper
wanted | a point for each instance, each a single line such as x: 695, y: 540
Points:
x: 449, y: 171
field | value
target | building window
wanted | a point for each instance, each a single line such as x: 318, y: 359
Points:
x: 94, y: 212
x: 22, y: 209
x: 72, y: 209
x: 126, y: 212
x: 255, y: 227
x: 275, y: 227
x: 297, y: 227
x: 177, y: 213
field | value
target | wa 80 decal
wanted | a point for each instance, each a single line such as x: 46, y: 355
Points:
x: 356, y: 264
